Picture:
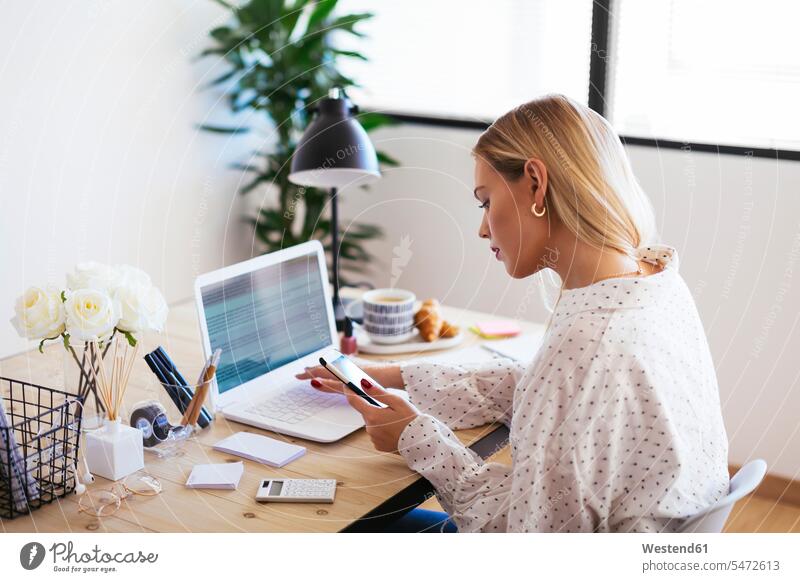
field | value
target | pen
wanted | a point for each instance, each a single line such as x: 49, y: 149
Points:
x: 170, y: 365
x: 181, y: 386
x: 171, y: 390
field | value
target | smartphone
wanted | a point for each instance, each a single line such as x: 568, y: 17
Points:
x: 351, y: 375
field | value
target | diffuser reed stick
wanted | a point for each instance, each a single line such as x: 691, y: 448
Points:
x: 112, y: 391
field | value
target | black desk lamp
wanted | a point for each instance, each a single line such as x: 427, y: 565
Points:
x: 334, y: 152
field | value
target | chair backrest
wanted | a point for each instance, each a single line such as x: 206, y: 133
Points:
x: 744, y: 482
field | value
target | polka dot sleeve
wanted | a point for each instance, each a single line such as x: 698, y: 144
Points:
x: 475, y: 494
x: 463, y: 396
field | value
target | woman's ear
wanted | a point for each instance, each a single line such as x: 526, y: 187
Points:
x: 536, y: 172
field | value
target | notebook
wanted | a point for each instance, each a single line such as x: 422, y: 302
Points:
x: 521, y: 348
x: 216, y: 476
x: 471, y: 355
x: 260, y: 448
x: 13, y: 468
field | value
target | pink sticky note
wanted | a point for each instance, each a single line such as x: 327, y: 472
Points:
x: 498, y: 328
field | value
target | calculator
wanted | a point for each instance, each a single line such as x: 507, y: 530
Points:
x: 297, y: 490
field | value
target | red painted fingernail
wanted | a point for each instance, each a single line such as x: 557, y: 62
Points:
x: 316, y: 383
x: 365, y: 383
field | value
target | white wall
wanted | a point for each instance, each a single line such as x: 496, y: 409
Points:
x: 734, y: 220
x: 99, y: 159
x: 99, y: 155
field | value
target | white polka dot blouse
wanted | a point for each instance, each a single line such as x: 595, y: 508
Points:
x: 615, y: 425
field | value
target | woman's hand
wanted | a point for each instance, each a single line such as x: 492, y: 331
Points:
x: 319, y: 372
x: 384, y: 425
x: 384, y: 374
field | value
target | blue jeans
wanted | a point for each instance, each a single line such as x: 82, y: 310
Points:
x: 422, y: 520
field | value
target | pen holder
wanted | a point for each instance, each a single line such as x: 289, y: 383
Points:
x: 114, y: 451
x: 175, y: 384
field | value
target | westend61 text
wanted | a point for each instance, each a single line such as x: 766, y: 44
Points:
x: 675, y: 548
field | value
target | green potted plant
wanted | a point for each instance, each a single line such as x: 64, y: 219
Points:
x: 281, y: 58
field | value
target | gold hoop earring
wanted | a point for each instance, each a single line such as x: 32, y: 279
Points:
x: 533, y: 209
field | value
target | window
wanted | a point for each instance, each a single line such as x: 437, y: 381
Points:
x: 469, y: 59
x: 717, y: 71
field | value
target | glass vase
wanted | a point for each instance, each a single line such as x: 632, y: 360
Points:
x: 80, y: 380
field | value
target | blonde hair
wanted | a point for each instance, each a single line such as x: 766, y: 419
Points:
x: 590, y: 184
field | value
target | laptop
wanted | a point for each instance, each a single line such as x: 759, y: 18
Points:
x: 272, y: 316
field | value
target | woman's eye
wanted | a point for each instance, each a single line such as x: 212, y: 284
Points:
x: 484, y: 205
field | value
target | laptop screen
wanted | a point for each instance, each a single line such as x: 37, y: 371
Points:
x: 265, y: 319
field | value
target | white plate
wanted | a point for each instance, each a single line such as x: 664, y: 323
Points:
x: 413, y: 344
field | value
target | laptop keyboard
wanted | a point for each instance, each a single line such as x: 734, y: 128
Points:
x: 294, y: 405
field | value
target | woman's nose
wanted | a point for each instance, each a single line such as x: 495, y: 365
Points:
x: 483, y: 231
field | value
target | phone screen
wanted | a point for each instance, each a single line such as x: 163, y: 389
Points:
x: 347, y: 371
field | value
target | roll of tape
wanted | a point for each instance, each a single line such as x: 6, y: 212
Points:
x: 151, y: 418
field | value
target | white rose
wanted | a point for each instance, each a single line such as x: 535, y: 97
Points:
x: 142, y: 308
x: 92, y: 274
x: 91, y: 314
x: 128, y: 275
x: 39, y: 314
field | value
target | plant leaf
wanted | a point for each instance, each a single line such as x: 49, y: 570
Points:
x: 253, y: 184
x: 226, y: 130
x: 289, y: 21
x: 352, y: 54
x: 220, y: 33
x: 321, y: 11
x: 212, y: 51
x: 373, y: 120
x: 348, y: 21
x: 225, y: 4
x: 128, y: 336
x: 386, y: 159
x: 222, y: 78
x: 244, y: 167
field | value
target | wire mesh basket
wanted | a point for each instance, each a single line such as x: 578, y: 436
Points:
x: 39, y: 438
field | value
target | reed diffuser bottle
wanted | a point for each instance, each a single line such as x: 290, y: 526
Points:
x: 115, y: 450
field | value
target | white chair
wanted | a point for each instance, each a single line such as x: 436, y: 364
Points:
x: 744, y: 482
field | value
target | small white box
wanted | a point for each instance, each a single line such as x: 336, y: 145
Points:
x: 114, y: 451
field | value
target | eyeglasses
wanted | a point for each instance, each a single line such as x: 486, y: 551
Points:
x: 105, y: 502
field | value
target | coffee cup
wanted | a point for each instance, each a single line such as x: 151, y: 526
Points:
x: 388, y: 315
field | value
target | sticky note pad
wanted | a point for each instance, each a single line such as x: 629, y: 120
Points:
x: 216, y: 476
x: 499, y: 328
x: 260, y: 448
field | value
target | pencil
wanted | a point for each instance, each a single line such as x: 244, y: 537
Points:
x: 193, y: 403
x: 203, y: 389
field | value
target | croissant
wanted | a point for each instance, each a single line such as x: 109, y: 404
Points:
x: 448, y: 330
x: 428, y: 320
x: 430, y: 324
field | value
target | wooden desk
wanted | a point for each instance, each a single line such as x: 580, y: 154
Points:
x: 370, y: 483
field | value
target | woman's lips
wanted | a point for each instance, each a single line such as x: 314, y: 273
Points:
x: 496, y: 252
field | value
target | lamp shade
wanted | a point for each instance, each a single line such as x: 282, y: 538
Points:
x: 335, y: 150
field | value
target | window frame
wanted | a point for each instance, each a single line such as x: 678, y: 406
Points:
x: 598, y: 80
